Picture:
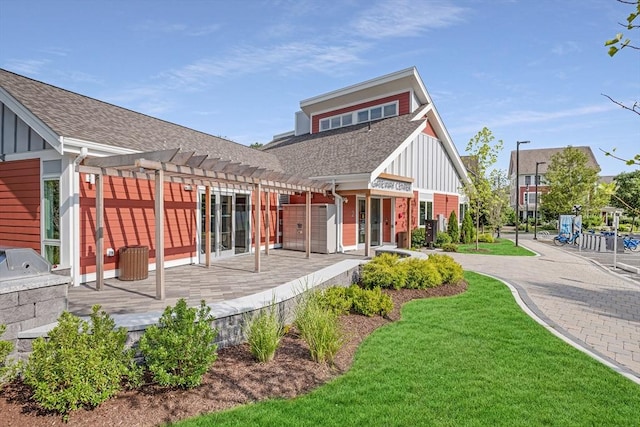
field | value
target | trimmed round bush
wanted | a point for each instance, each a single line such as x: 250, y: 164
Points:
x: 421, y: 274
x: 486, y: 238
x: 450, y: 247
x: 449, y: 269
x: 442, y: 238
x: 180, y: 349
x: 382, y: 272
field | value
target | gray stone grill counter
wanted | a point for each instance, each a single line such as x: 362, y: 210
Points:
x: 30, y: 295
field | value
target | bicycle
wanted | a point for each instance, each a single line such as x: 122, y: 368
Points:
x: 564, y: 238
x: 631, y: 244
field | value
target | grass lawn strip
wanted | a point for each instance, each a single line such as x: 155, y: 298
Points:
x: 499, y: 247
x: 472, y: 359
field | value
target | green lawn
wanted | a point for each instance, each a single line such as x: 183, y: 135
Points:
x: 500, y: 247
x: 474, y: 360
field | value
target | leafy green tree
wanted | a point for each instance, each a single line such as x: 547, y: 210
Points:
x: 467, y: 228
x: 497, y: 213
x: 452, y: 227
x: 571, y: 181
x: 256, y: 145
x: 484, y: 153
x: 627, y: 193
x: 617, y: 43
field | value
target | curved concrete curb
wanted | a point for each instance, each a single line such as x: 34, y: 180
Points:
x: 541, y: 319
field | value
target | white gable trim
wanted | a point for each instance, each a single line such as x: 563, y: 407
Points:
x: 399, y: 149
x: 31, y: 120
x: 95, y: 149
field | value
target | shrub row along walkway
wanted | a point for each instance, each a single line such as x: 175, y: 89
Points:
x: 592, y: 307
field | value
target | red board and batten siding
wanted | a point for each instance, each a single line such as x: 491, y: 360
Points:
x: 403, y: 108
x: 20, y: 203
x: 129, y: 220
x: 444, y: 204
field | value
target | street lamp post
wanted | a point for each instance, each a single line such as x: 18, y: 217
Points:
x: 518, y: 186
x: 526, y: 212
x: 535, y: 212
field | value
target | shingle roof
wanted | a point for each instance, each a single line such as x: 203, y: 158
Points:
x: 528, y: 159
x: 354, y: 149
x: 76, y: 116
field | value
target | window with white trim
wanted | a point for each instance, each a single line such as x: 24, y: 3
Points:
x: 51, y: 210
x: 361, y: 116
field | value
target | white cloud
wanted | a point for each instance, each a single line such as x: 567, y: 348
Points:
x: 176, y: 28
x: 565, y: 48
x: 29, y: 67
x: 284, y: 58
x: 405, y: 18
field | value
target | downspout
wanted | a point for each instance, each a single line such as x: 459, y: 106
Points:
x: 339, y: 216
x: 75, y: 262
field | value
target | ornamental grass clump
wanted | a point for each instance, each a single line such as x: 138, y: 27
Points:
x: 319, y: 328
x: 180, y: 349
x: 264, y: 331
x: 82, y: 364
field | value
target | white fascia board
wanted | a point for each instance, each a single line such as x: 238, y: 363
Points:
x: 74, y: 145
x: 377, y: 171
x: 407, y: 72
x: 31, y: 120
x: 447, y: 142
x: 343, y: 178
x: 419, y: 114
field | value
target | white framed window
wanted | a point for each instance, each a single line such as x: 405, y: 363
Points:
x: 51, y: 170
x: 361, y: 116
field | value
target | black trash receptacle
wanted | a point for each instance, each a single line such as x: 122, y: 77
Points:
x: 133, y: 263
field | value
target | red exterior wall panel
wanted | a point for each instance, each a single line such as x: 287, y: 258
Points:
x: 129, y: 220
x: 20, y: 201
x: 404, y: 107
x: 429, y: 130
x: 444, y: 204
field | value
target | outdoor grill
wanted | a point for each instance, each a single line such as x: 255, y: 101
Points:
x: 21, y: 263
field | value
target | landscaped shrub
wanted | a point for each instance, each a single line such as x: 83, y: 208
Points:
x: 450, y: 270
x: 82, y: 364
x: 442, y: 238
x: 381, y: 272
x: 421, y: 274
x: 180, y: 349
x: 486, y: 238
x: 450, y: 247
x: 467, y: 235
x: 418, y: 237
x: 6, y: 348
x: 318, y: 327
x: 336, y: 299
x: 369, y: 302
x: 264, y: 332
x: 452, y: 228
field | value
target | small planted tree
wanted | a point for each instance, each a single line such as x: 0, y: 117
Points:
x: 467, y: 228
x: 452, y: 228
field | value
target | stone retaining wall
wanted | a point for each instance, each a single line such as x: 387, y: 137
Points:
x: 230, y: 316
x: 27, y: 305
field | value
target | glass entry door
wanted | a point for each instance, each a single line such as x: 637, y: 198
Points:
x: 230, y: 225
x: 376, y: 221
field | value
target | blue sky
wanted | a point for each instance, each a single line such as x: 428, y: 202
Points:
x: 528, y: 70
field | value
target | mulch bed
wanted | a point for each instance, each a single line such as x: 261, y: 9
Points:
x: 235, y: 379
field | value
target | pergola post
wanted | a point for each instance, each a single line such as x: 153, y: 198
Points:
x: 257, y: 189
x: 207, y: 227
x: 267, y: 221
x: 159, y: 216
x: 307, y: 237
x: 367, y: 225
x: 99, y: 232
x: 409, y: 222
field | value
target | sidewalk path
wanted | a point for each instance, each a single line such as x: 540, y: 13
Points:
x: 594, y: 308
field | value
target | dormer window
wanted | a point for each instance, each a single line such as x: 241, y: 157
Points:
x: 361, y: 116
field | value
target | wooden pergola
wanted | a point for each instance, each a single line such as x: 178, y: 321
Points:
x: 188, y: 168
